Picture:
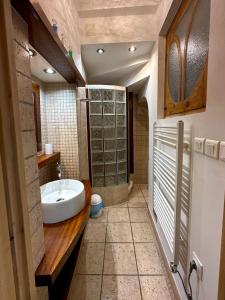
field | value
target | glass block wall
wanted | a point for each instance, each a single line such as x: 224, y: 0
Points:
x: 108, y: 134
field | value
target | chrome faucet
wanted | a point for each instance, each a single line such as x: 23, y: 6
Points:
x: 59, y: 169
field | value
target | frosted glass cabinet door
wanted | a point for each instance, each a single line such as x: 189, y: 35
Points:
x: 174, y: 72
x: 197, y: 47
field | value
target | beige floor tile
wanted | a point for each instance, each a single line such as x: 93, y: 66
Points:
x: 95, y: 232
x: 154, y: 288
x: 137, y: 202
x: 118, y: 215
x: 124, y: 204
x: 102, y: 219
x: 120, y: 288
x: 120, y: 259
x: 143, y: 186
x: 142, y: 232
x: 119, y: 233
x: 85, y: 287
x: 135, y: 193
x: 90, y: 260
x: 148, y: 260
x: 145, y: 193
x: 136, y: 187
x: 139, y: 215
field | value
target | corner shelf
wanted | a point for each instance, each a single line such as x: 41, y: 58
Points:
x: 46, y: 41
x: 44, y: 159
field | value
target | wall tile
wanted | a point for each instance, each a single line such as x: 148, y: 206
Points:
x: 31, y: 169
x: 24, y: 89
x: 33, y: 194
x: 27, y: 116
x: 60, y: 122
x: 20, y: 29
x: 42, y: 293
x: 38, y: 248
x: 140, y: 142
x: 22, y: 59
x: 36, y: 219
x: 29, y: 143
x: 27, y: 127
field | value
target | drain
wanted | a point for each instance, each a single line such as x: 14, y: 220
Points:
x: 60, y: 199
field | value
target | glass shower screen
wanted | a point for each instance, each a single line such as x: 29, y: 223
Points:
x: 108, y: 135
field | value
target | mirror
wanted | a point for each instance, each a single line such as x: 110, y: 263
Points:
x: 42, y: 73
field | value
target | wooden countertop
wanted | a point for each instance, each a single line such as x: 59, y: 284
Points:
x: 44, y: 159
x: 60, y: 239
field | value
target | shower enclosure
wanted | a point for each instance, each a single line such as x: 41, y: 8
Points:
x: 108, y: 135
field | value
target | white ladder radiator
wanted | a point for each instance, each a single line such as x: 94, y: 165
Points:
x: 171, y: 188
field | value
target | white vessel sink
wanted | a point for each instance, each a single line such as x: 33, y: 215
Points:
x: 61, y: 200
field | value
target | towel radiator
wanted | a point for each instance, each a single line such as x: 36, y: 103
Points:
x: 171, y: 188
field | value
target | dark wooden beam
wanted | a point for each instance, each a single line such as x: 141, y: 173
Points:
x: 46, y: 41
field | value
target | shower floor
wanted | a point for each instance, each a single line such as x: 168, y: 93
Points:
x: 119, y: 258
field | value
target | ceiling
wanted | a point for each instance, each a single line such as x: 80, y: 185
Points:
x: 95, y: 8
x: 38, y: 64
x: 115, y: 63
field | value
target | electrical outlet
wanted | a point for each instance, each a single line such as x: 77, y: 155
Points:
x: 199, y: 266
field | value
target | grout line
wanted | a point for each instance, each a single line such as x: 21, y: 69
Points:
x: 88, y: 242
x: 26, y: 103
x: 123, y: 274
x: 104, y: 254
x: 135, y: 257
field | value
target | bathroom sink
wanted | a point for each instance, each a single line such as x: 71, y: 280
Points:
x: 61, y: 200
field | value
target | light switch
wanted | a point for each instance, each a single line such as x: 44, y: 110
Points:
x: 222, y: 151
x: 199, y: 144
x: 212, y: 148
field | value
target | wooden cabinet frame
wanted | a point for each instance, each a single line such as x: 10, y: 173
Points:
x: 197, y: 99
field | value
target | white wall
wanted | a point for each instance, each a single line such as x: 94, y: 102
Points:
x: 208, y: 181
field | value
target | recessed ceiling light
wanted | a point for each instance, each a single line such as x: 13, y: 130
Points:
x: 100, y: 51
x: 32, y: 52
x: 49, y: 71
x: 132, y: 49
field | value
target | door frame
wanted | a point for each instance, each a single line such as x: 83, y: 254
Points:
x: 221, y: 286
x: 14, y: 228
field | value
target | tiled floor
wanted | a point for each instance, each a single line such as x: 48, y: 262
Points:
x: 119, y: 257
